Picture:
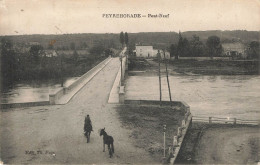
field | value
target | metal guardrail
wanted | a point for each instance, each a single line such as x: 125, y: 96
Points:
x: 226, y: 120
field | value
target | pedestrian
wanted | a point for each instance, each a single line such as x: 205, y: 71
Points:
x: 88, y: 123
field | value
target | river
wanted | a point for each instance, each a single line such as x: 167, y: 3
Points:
x: 219, y: 96
x: 32, y: 91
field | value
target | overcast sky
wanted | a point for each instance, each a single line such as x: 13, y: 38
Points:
x: 85, y: 16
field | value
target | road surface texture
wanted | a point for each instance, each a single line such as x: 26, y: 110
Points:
x: 229, y: 146
x: 57, y: 131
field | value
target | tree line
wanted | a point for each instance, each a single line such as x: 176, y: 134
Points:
x: 123, y: 38
x: 195, y: 47
x: 34, y: 64
x: 213, y: 48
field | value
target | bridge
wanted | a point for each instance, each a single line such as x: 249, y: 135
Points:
x: 54, y: 133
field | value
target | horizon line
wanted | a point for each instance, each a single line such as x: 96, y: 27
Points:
x: 124, y: 32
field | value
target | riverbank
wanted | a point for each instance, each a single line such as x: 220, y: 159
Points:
x: 220, y: 144
x: 216, y: 67
x: 193, y: 67
x: 146, y: 126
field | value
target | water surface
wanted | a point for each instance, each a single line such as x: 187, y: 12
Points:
x: 223, y: 96
x: 32, y: 91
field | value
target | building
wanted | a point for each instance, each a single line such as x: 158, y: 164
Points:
x: 234, y: 50
x: 144, y: 51
x: 167, y: 54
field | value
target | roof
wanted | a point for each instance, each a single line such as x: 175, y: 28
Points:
x: 233, y: 46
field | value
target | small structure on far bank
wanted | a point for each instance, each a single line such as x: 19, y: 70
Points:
x: 149, y: 52
x: 234, y: 50
x: 144, y: 51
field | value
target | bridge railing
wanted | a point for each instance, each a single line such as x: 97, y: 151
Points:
x: 227, y: 120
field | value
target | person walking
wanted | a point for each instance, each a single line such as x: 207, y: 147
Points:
x: 88, y: 123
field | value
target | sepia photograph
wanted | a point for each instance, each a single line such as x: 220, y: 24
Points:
x: 130, y: 82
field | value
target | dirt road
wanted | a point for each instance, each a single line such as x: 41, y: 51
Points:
x: 229, y: 146
x: 54, y: 134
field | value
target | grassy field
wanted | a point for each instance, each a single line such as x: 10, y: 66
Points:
x: 146, y: 124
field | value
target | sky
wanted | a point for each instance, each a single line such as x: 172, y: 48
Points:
x: 18, y: 17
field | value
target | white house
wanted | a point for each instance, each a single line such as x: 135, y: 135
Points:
x: 234, y: 49
x: 144, y: 51
x: 167, y: 54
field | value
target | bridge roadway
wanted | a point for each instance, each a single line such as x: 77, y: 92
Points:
x: 59, y: 129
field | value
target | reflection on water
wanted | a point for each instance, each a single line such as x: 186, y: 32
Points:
x: 32, y: 91
x: 223, y: 96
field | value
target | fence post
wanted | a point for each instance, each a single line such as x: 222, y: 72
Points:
x: 235, y: 121
x: 183, y: 123
x: 210, y: 120
x: 179, y: 134
x: 175, y: 141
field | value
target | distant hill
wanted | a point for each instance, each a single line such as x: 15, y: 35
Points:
x: 151, y: 38
x: 227, y: 36
x: 66, y: 39
x: 172, y: 37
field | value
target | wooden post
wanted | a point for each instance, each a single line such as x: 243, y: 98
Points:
x: 61, y: 65
x: 169, y: 89
x: 164, y: 129
x: 175, y: 141
x: 183, y: 124
x: 210, y: 120
x: 121, y: 70
x: 160, y: 88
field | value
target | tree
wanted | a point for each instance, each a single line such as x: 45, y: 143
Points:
x: 75, y: 57
x: 97, y: 50
x: 126, y: 38
x: 50, y: 46
x: 180, y: 45
x: 214, y: 46
x: 183, y: 47
x: 34, y: 53
x: 108, y: 52
x: 254, y: 50
x: 197, y: 47
x: 83, y: 45
x: 122, y: 38
x: 72, y: 46
x: 186, y: 48
x: 173, y: 51
x: 9, y: 64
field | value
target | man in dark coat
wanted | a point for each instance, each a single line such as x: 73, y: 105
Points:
x: 88, y: 124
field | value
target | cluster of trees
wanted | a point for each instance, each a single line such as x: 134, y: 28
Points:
x: 35, y: 65
x: 71, y: 46
x: 102, y: 47
x: 123, y: 38
x: 196, y: 48
x: 16, y: 66
x: 253, y: 50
